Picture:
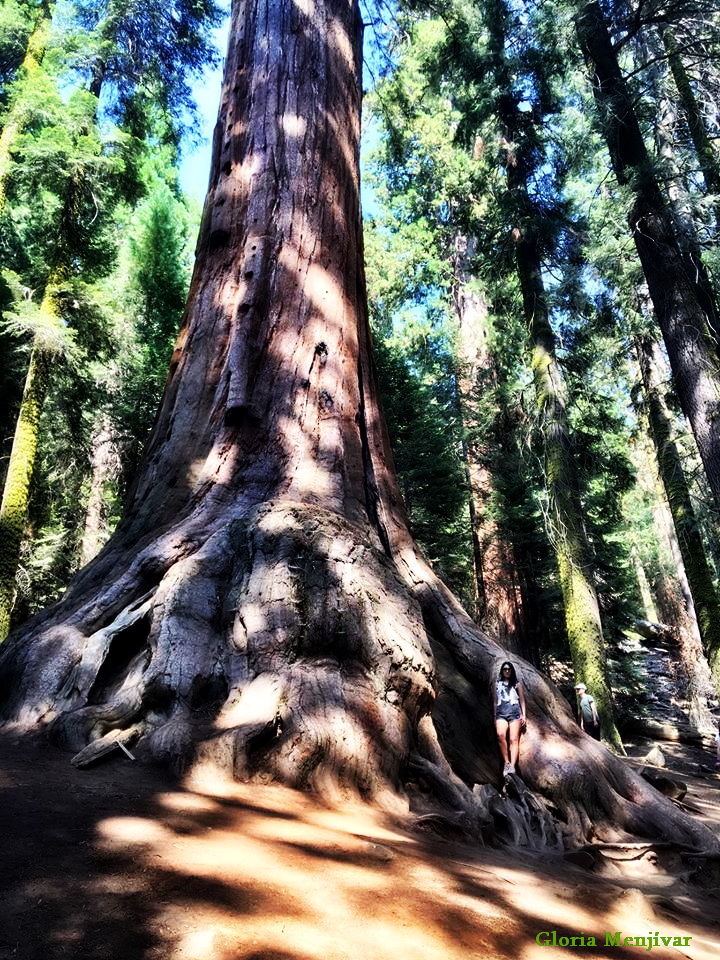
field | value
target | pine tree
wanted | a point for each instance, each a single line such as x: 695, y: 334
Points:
x: 692, y: 549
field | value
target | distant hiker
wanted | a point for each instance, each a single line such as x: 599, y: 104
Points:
x: 587, y: 711
x: 509, y: 715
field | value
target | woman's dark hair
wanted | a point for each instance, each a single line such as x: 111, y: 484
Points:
x: 513, y: 675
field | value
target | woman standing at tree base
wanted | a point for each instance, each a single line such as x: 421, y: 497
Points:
x: 509, y: 715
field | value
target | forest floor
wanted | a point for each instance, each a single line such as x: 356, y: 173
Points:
x: 120, y: 862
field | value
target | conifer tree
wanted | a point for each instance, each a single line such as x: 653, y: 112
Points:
x: 151, y: 60
x: 675, y: 293
x: 692, y: 549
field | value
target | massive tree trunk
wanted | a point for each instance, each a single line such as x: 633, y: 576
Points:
x: 676, y: 296
x: 262, y: 605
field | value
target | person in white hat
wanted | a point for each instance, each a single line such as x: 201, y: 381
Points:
x: 587, y: 711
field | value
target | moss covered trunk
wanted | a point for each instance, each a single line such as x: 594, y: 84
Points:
x: 16, y: 493
x: 16, y: 116
x: 262, y: 606
x: 580, y: 602
x: 573, y: 555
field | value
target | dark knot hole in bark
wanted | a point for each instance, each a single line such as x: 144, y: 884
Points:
x: 126, y: 647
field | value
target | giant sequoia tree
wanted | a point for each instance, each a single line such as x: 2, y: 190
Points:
x: 262, y: 604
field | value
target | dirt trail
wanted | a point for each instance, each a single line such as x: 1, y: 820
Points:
x: 122, y: 863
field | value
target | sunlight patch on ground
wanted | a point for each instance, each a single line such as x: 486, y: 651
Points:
x: 264, y: 871
x: 122, y: 830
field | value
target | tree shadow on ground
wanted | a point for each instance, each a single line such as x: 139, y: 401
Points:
x: 122, y: 861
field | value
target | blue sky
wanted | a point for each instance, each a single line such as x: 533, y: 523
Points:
x: 195, y: 166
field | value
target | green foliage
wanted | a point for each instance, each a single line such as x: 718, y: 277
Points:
x: 431, y: 474
x: 16, y: 24
x: 147, y: 294
x: 143, y: 54
x: 91, y: 201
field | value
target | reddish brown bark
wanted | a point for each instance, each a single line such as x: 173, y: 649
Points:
x: 262, y: 605
x: 499, y: 599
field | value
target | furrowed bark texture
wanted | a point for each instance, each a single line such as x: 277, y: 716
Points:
x: 105, y: 467
x: 676, y: 296
x: 262, y: 606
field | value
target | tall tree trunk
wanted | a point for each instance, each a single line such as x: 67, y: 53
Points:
x: 47, y: 342
x: 692, y: 549
x: 497, y: 583
x: 646, y: 595
x: 705, y: 149
x: 105, y: 463
x: 262, y: 605
x: 16, y: 492
x: 580, y: 602
x: 16, y: 117
x: 675, y: 604
x: 683, y: 222
x: 582, y: 611
x: 676, y: 297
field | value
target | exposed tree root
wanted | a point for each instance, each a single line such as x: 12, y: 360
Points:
x: 284, y: 647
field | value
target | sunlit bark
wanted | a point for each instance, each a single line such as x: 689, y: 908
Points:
x: 105, y: 467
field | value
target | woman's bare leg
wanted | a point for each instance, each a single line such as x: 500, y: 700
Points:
x: 501, y: 727
x: 514, y: 732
